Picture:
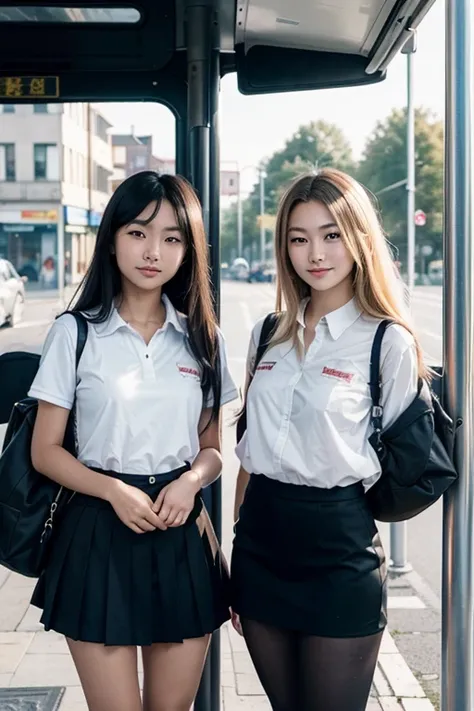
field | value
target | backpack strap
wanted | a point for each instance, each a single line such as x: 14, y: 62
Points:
x: 377, y: 410
x: 82, y: 331
x: 269, y: 327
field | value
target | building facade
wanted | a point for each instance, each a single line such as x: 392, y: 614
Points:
x: 55, y: 168
x: 131, y: 154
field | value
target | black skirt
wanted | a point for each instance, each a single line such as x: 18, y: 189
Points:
x: 106, y: 584
x: 308, y: 560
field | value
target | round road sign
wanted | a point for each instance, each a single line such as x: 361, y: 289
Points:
x: 420, y: 218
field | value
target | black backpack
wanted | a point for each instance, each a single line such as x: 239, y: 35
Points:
x: 415, y: 452
x: 29, y: 501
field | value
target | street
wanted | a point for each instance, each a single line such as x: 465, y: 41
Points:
x: 414, y: 615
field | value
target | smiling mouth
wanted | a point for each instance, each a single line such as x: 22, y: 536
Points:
x: 149, y: 270
x: 320, y: 272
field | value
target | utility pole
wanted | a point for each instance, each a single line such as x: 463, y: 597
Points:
x: 262, y: 215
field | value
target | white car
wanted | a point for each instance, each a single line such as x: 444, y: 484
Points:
x: 12, y: 294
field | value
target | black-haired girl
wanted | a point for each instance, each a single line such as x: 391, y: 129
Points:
x: 134, y: 562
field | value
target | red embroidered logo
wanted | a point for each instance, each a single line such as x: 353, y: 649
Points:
x: 266, y: 365
x: 186, y: 370
x: 339, y: 374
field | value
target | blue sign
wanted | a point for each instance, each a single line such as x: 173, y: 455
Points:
x: 94, y: 218
x: 76, y: 216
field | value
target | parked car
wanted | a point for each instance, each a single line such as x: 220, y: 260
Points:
x: 12, y: 294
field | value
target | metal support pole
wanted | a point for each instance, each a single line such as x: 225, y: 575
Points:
x: 239, y: 221
x: 457, y: 678
x: 399, y: 531
x: 262, y: 215
x: 409, y: 49
x: 398, y: 548
x: 203, y: 171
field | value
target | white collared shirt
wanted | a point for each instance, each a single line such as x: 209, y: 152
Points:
x: 138, y: 406
x: 308, y: 418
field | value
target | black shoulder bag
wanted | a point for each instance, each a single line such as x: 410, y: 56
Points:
x: 415, y: 452
x: 269, y: 327
x: 29, y: 501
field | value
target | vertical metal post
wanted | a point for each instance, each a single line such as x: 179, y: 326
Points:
x: 399, y: 548
x: 262, y: 215
x: 60, y: 229
x: 203, y: 171
x: 458, y: 534
x: 409, y: 49
x: 399, y: 531
x: 239, y: 221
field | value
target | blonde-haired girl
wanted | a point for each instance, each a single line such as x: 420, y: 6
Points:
x: 308, y: 567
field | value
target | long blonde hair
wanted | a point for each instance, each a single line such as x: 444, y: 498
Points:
x: 378, y: 290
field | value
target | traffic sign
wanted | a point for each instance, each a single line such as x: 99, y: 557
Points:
x: 420, y: 218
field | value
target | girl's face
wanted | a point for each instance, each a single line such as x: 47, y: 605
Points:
x: 148, y: 256
x: 316, y: 249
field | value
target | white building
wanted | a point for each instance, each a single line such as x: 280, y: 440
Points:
x: 55, y: 163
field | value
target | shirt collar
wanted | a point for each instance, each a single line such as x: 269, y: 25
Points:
x: 337, y: 321
x: 115, y: 321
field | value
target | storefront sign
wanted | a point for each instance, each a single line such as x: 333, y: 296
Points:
x: 76, y: 216
x: 94, y: 218
x: 29, y: 87
x: 18, y: 228
x: 50, y: 215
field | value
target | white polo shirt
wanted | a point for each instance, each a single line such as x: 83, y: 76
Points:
x: 308, y: 420
x: 138, y: 406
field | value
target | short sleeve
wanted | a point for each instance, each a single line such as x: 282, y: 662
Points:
x: 399, y: 373
x: 229, y: 391
x: 55, y: 381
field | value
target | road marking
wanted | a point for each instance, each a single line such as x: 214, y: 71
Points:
x: 405, y: 602
x: 247, y: 317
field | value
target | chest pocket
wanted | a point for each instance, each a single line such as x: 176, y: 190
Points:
x: 344, y: 393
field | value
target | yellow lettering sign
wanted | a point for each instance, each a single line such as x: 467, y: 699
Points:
x: 37, y: 87
x: 13, y: 86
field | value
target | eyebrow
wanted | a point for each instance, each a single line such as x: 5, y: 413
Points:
x: 321, y: 227
x: 144, y: 223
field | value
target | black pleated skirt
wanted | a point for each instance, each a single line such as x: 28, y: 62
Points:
x: 106, y: 584
x: 308, y: 560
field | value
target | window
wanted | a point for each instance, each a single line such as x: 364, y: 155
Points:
x: 7, y: 162
x: 40, y: 108
x: 46, y: 159
x: 101, y: 179
x: 8, y: 108
x: 40, y: 13
x: 101, y: 128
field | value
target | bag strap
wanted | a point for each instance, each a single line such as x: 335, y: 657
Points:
x: 377, y: 410
x: 82, y: 331
x: 268, y: 329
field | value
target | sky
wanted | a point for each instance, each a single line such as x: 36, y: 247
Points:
x: 254, y: 127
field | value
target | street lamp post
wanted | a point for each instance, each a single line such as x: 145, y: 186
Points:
x: 262, y: 214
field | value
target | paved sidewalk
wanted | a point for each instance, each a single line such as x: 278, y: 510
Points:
x: 31, y: 657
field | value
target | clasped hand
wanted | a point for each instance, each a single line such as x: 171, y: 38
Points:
x: 171, y: 509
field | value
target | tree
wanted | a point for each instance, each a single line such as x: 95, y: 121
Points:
x: 313, y: 146
x: 384, y: 163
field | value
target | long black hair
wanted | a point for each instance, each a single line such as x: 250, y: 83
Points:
x: 189, y: 290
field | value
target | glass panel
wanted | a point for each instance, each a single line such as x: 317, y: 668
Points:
x: 76, y: 15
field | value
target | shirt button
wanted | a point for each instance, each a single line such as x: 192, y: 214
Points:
x: 147, y: 356
x: 151, y: 479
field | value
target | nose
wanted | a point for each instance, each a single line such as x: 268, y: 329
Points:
x: 316, y: 254
x: 152, y: 252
